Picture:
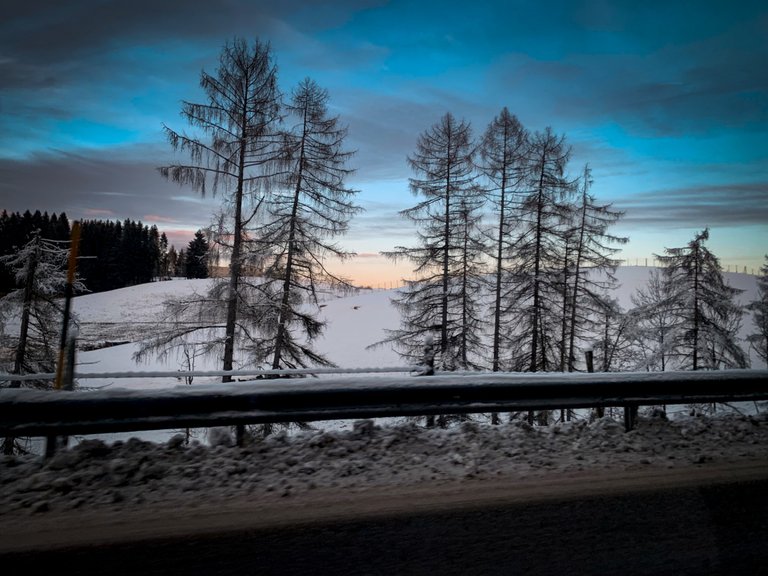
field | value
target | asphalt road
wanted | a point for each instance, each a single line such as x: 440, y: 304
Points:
x: 698, y: 520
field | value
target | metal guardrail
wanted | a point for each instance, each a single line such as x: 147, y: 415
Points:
x: 25, y: 412
x: 7, y: 377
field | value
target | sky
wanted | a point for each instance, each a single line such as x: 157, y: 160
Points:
x: 667, y: 102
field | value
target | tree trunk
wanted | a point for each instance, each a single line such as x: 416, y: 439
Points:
x: 284, y: 304
x: 21, y: 349
x: 536, y: 271
x: 499, y: 255
x: 465, y: 294
x: 564, y: 319
x: 696, y: 312
x: 235, y: 266
x: 446, y: 254
x: 576, y: 278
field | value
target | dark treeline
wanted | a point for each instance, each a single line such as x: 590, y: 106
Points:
x: 117, y: 254
x: 113, y: 254
x: 17, y: 229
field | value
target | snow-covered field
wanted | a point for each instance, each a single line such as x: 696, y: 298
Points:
x: 354, y: 322
x: 116, y: 471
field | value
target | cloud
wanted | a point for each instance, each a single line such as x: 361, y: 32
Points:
x: 716, y: 205
x: 712, y: 82
x: 651, y: 94
x: 45, y: 42
x: 97, y: 213
x: 94, y: 184
x: 158, y: 218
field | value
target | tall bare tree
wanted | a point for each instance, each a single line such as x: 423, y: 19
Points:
x: 654, y: 323
x: 537, y: 290
x: 502, y: 160
x: 444, y: 166
x: 311, y: 209
x: 233, y: 151
x: 592, y: 260
x: 467, y: 287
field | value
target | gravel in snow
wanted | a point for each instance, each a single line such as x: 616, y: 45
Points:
x: 121, y: 475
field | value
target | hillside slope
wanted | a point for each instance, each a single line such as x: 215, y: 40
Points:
x: 354, y: 322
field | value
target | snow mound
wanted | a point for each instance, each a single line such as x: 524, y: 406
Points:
x: 94, y: 474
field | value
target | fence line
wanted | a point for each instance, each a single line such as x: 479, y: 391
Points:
x: 655, y: 263
x: 628, y: 262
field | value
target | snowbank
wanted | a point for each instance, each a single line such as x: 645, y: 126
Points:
x: 95, y: 475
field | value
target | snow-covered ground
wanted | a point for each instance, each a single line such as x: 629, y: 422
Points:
x: 94, y: 475
x: 354, y: 322
x: 116, y: 471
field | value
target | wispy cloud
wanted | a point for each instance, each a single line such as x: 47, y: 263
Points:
x: 728, y: 204
x: 96, y: 212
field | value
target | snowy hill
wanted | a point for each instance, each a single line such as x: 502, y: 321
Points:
x: 354, y: 321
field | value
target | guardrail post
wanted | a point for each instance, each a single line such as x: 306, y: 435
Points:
x: 429, y: 369
x: 630, y: 417
x: 429, y: 356
x: 66, y: 382
x: 589, y: 357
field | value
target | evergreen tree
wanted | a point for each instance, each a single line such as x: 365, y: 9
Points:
x: 162, y: 262
x: 16, y: 230
x: 152, y: 252
x: 703, y: 306
x: 180, y: 270
x: 114, y: 254
x: 758, y: 340
x: 172, y: 260
x: 197, y: 256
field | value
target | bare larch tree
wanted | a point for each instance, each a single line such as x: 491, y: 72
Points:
x: 502, y: 161
x: 234, y: 151
x: 443, y: 162
x: 312, y: 208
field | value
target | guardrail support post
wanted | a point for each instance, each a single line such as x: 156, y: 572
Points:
x: 630, y: 417
x: 589, y: 357
x: 429, y: 370
x: 67, y: 382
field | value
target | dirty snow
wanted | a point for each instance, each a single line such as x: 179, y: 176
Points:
x: 118, y: 476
